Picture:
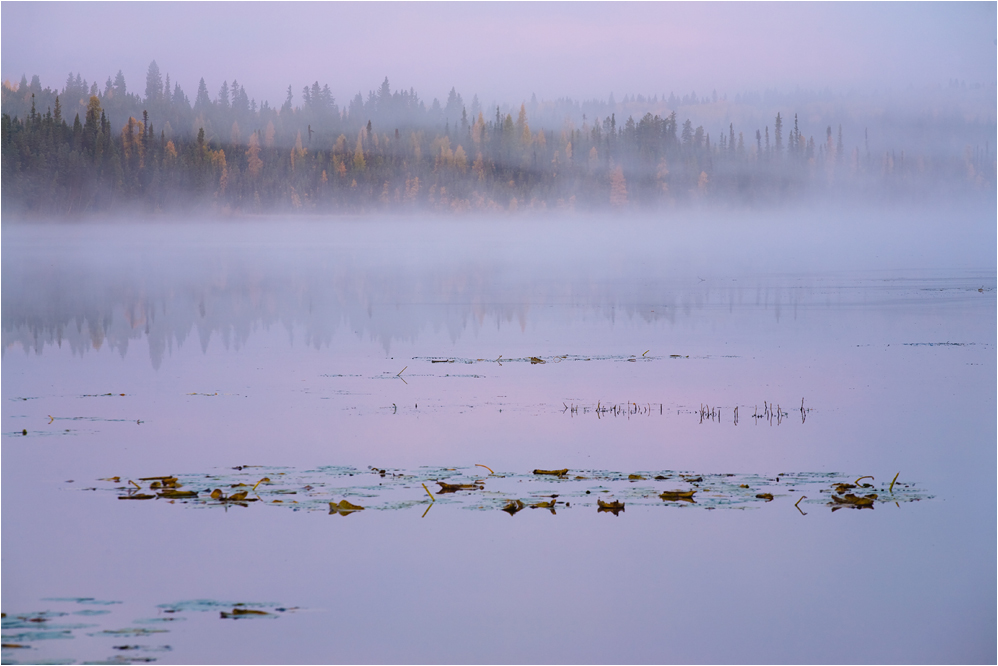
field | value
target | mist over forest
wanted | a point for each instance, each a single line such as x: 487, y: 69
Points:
x: 86, y: 149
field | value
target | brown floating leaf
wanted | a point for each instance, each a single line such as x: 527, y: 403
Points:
x: 216, y: 494
x: 178, y: 494
x: 243, y: 612
x: 139, y: 496
x: 552, y: 472
x: 678, y: 495
x: 454, y: 487
x: 237, y: 497
x: 513, y: 507
x: 344, y: 507
x: 544, y: 505
x: 635, y: 477
x: 614, y: 507
x: 534, y: 360
x: 113, y: 479
x: 765, y: 496
x: 157, y: 478
x: 853, y: 501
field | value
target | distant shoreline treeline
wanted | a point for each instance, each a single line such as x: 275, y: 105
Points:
x: 391, y: 153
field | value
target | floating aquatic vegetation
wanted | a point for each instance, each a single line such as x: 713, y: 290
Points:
x: 213, y: 605
x: 545, y: 505
x: 537, y: 360
x: 678, y: 495
x: 143, y: 648
x: 344, y: 508
x: 24, y: 432
x: 348, y: 490
x: 32, y: 631
x: 938, y: 344
x: 88, y: 418
x: 130, y: 631
x: 614, y: 507
x: 35, y: 636
x: 514, y: 506
x: 771, y: 412
x: 454, y: 487
x: 853, y: 501
x: 160, y: 620
x: 245, y: 613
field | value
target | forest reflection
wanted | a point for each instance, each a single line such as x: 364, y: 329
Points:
x: 400, y: 281
x: 229, y: 298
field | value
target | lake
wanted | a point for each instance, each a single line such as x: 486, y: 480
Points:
x: 771, y: 437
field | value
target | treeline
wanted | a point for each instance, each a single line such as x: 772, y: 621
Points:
x: 121, y: 151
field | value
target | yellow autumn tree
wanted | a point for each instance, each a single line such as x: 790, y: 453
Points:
x: 460, y: 160
x: 255, y: 165
x: 618, y: 188
x: 169, y: 154
x: 702, y: 183
x: 218, y: 164
x: 131, y: 142
x: 359, y: 163
x: 441, y: 150
x: 416, y: 140
x: 298, y: 152
x: 660, y: 175
x: 478, y: 130
x: 522, y: 128
x: 478, y: 168
x: 540, y: 141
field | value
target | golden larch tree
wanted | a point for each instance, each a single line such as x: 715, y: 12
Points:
x: 618, y: 188
x: 255, y: 165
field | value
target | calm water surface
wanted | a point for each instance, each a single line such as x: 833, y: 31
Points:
x: 320, y: 350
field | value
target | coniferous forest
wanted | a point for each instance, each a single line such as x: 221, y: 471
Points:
x: 88, y: 150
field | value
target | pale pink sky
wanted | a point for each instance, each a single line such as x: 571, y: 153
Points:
x: 505, y: 51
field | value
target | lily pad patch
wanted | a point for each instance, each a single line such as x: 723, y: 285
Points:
x: 346, y: 490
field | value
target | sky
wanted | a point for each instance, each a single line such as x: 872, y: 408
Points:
x: 504, y: 51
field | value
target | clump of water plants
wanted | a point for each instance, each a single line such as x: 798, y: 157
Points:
x: 347, y: 490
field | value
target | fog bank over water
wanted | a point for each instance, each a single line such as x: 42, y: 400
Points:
x: 394, y: 280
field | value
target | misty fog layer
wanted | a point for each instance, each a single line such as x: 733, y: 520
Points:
x: 390, y: 280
